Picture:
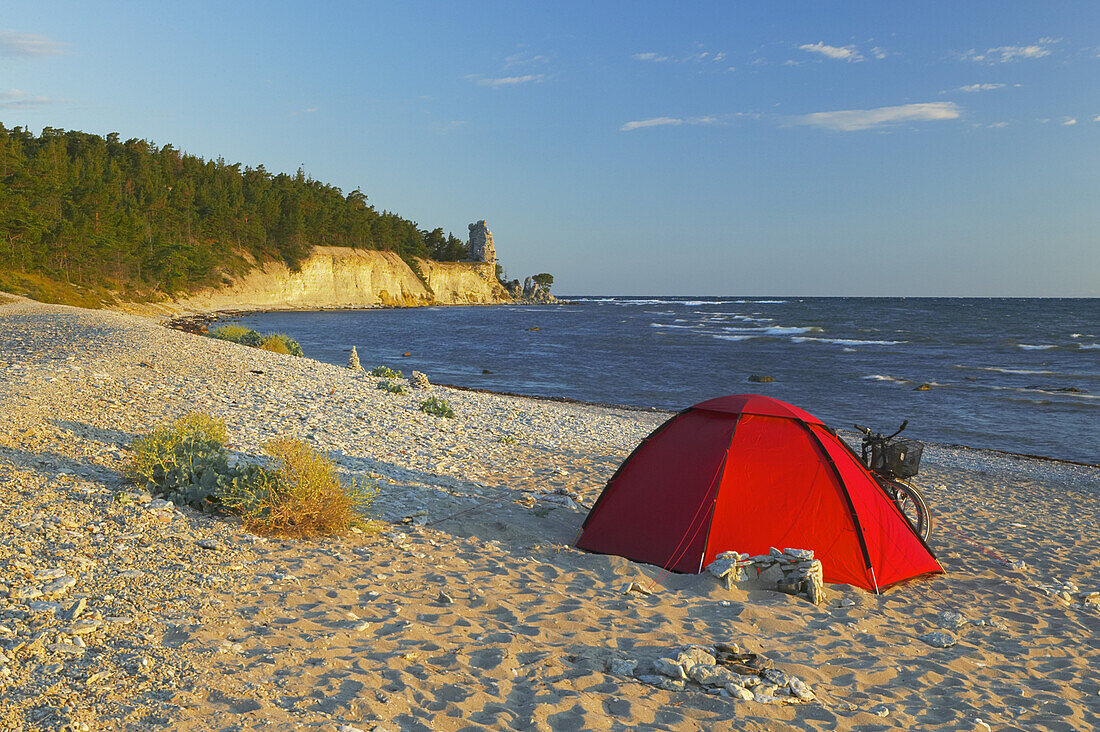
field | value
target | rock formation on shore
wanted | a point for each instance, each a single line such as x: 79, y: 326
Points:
x: 481, y: 243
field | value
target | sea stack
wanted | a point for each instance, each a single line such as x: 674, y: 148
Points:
x: 481, y: 243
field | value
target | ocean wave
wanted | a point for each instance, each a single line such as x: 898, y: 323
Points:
x: 845, y: 341
x: 1088, y: 346
x: 774, y: 330
x: 733, y: 337
x: 1000, y: 370
x: 1042, y: 347
x: 697, y: 326
x: 1051, y: 390
x: 883, y: 377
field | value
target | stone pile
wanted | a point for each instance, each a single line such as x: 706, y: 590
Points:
x: 793, y: 571
x: 353, y: 360
x: 1070, y: 593
x: 419, y: 381
x: 721, y: 669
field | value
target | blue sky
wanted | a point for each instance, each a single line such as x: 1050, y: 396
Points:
x: 814, y: 148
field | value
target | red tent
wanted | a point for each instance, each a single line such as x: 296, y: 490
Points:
x: 747, y: 473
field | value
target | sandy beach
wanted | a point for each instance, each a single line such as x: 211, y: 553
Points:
x: 470, y: 609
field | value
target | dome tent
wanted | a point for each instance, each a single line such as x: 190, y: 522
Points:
x: 747, y: 473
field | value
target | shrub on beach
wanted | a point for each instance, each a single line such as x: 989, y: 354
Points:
x: 438, y: 407
x: 281, y: 343
x: 385, y: 372
x: 391, y: 386
x: 302, y: 496
x: 237, y: 334
x: 275, y: 342
x: 186, y: 462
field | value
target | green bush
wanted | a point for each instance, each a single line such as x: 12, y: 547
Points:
x: 237, y: 334
x: 303, y: 496
x: 385, y: 372
x: 438, y: 407
x: 506, y: 440
x: 391, y: 387
x: 281, y: 343
x: 187, y: 463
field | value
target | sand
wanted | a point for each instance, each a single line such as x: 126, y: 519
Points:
x: 470, y: 609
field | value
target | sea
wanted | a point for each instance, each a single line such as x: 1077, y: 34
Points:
x: 1019, y: 375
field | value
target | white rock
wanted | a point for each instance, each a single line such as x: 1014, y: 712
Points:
x: 58, y: 586
x: 881, y: 710
x: 740, y: 692
x: 81, y: 627
x: 668, y: 667
x: 622, y: 666
x: 49, y: 574
x: 938, y: 639
x: 26, y: 593
x: 801, y: 689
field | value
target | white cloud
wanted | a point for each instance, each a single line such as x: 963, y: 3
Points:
x: 1096, y: 118
x: 1005, y: 54
x: 1069, y: 121
x: 28, y: 45
x: 16, y: 99
x: 879, y: 53
x: 706, y: 119
x: 698, y: 56
x: 851, y: 120
x: 840, y: 53
x: 997, y: 125
x: 980, y: 87
x: 498, y: 82
x: 652, y: 122
x: 525, y: 59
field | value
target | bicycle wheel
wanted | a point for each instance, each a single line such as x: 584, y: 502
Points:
x: 913, y: 506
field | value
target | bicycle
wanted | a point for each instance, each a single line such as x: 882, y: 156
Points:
x: 891, y: 463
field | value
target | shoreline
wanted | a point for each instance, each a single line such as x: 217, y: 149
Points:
x: 471, y: 607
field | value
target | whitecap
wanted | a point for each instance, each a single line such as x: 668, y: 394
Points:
x: 881, y: 377
x: 1043, y: 347
x: 734, y: 337
x: 1012, y: 371
x: 845, y: 341
x: 1088, y: 346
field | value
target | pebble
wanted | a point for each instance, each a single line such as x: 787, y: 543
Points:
x: 881, y: 710
x: 81, y: 627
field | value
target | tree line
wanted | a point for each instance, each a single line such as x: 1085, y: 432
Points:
x: 85, y: 209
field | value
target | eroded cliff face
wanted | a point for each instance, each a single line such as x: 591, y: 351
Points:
x: 340, y: 277
x: 463, y: 283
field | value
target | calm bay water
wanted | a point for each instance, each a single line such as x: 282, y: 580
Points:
x: 1013, y: 374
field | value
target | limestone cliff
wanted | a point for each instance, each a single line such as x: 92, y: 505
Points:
x: 340, y: 277
x: 459, y: 283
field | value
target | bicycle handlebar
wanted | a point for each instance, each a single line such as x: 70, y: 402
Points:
x: 867, y: 431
